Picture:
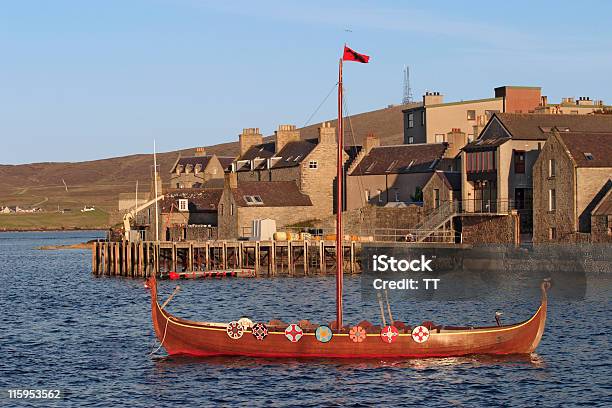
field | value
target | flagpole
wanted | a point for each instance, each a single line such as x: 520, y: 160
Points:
x: 339, y: 249
x: 156, y: 192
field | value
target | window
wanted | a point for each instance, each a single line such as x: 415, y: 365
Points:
x: 411, y: 120
x: 422, y: 118
x: 380, y: 197
x: 439, y: 137
x: 552, y: 200
x: 471, y: 114
x: 297, y: 157
x: 183, y: 205
x: 198, y: 168
x: 519, y: 162
x: 313, y: 164
x: 252, y: 200
x: 436, y: 198
x: 367, y: 195
x: 588, y: 156
x: 552, y: 233
x: 396, y: 195
x: 232, y: 209
x: 552, y: 168
x: 370, y: 167
x: 391, y: 166
x: 221, y: 209
x: 289, y: 158
x: 410, y: 140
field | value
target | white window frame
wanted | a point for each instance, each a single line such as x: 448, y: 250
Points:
x: 313, y: 165
x: 183, y: 204
x: 552, y: 168
x: 410, y: 120
x: 380, y: 197
x: 367, y: 195
x: 552, y: 200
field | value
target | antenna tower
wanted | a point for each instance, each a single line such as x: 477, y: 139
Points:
x: 407, y: 91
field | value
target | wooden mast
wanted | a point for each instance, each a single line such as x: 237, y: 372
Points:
x: 339, y: 251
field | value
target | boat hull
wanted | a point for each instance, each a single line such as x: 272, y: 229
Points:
x: 179, y: 336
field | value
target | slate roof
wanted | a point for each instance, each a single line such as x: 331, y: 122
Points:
x: 451, y: 178
x: 589, y: 149
x: 604, y: 207
x: 400, y: 159
x: 199, y: 200
x: 271, y: 193
x: 226, y: 162
x: 292, y: 154
x: 537, y: 126
x: 530, y: 126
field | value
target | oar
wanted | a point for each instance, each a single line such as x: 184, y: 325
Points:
x: 178, y: 287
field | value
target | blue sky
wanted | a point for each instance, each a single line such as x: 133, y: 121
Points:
x: 82, y: 80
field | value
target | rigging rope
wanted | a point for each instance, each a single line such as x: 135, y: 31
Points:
x: 320, y: 105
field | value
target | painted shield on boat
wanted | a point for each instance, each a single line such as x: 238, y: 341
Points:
x: 389, y: 334
x: 420, y: 334
x: 260, y: 331
x: 324, y: 334
x: 235, y: 330
x: 246, y: 323
x: 357, y: 334
x: 294, y: 333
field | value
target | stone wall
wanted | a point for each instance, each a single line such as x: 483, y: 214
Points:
x: 563, y: 218
x: 600, y: 228
x: 362, y: 221
x: 436, y: 183
x: 502, y: 229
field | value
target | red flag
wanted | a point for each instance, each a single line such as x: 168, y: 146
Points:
x: 350, y: 55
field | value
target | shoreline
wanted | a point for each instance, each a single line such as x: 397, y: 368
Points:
x: 63, y: 229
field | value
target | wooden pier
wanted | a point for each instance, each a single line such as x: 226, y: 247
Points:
x: 267, y: 258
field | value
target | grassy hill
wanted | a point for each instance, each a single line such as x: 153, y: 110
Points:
x: 99, y: 182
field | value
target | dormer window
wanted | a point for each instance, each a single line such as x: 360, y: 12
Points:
x: 179, y: 169
x: 289, y: 158
x: 253, y: 200
x: 297, y: 158
x: 197, y: 169
x: 370, y: 167
x: 188, y: 168
x: 588, y: 156
x: 183, y: 204
x: 391, y: 166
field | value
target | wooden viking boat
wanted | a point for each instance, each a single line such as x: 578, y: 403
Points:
x: 218, y: 273
x: 275, y: 339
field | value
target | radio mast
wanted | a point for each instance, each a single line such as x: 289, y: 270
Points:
x: 407, y: 91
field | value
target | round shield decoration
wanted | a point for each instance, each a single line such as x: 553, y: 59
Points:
x: 260, y: 331
x: 294, y: 333
x: 420, y: 334
x: 323, y: 334
x: 389, y: 334
x: 234, y: 330
x: 246, y: 322
x: 357, y: 334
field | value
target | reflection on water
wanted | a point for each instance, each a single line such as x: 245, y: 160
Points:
x: 91, y: 337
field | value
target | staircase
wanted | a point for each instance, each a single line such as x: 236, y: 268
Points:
x: 434, y: 220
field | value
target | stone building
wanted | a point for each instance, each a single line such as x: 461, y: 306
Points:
x: 392, y: 175
x: 443, y: 188
x: 183, y: 211
x: 497, y: 167
x: 310, y: 164
x: 199, y: 171
x: 601, y: 218
x: 243, y: 201
x: 458, y: 123
x: 583, y: 105
x: 572, y: 178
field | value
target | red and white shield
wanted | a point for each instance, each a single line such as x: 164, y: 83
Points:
x: 357, y: 334
x: 260, y: 331
x: 420, y: 334
x: 294, y: 333
x: 389, y: 334
x: 235, y: 330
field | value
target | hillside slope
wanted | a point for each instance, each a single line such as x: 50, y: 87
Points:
x: 99, y: 182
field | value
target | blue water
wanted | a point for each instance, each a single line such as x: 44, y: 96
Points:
x: 91, y: 338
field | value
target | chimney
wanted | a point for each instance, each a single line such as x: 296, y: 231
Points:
x: 285, y: 134
x: 432, y: 98
x: 370, y: 141
x: 231, y: 180
x: 327, y: 134
x: 248, y: 138
x: 543, y: 100
x: 200, y: 151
